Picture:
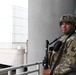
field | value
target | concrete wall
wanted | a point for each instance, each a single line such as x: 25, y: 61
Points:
x: 12, y: 57
x: 75, y: 7
x: 43, y: 24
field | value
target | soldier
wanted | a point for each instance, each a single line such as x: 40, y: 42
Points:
x: 67, y: 63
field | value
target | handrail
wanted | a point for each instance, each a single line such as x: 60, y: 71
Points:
x: 9, y: 69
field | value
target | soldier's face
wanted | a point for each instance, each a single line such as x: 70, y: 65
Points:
x: 66, y: 27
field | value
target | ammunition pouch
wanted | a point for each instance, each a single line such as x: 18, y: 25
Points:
x: 57, y: 46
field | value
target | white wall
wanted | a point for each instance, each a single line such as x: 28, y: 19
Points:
x: 19, y: 26
x: 13, y: 31
x: 5, y: 24
x: 44, y: 24
x: 13, y: 25
x: 13, y: 22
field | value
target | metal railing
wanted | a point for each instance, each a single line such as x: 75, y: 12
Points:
x: 9, y: 70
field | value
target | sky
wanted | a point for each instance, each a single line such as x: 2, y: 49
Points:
x: 22, y: 3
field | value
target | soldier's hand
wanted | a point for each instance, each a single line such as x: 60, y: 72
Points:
x: 46, y: 71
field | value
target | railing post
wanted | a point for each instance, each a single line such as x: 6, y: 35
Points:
x: 19, y: 70
x: 38, y: 69
x: 9, y: 72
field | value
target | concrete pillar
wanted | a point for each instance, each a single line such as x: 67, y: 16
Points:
x: 20, y: 59
x: 43, y: 23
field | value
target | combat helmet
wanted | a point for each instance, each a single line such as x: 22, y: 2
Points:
x: 68, y: 18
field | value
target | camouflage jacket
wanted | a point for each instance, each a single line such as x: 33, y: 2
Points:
x: 68, y: 59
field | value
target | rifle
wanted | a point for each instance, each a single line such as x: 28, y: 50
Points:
x: 46, y: 60
x: 46, y: 63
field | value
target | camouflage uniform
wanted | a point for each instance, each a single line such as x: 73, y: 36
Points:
x: 68, y: 59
